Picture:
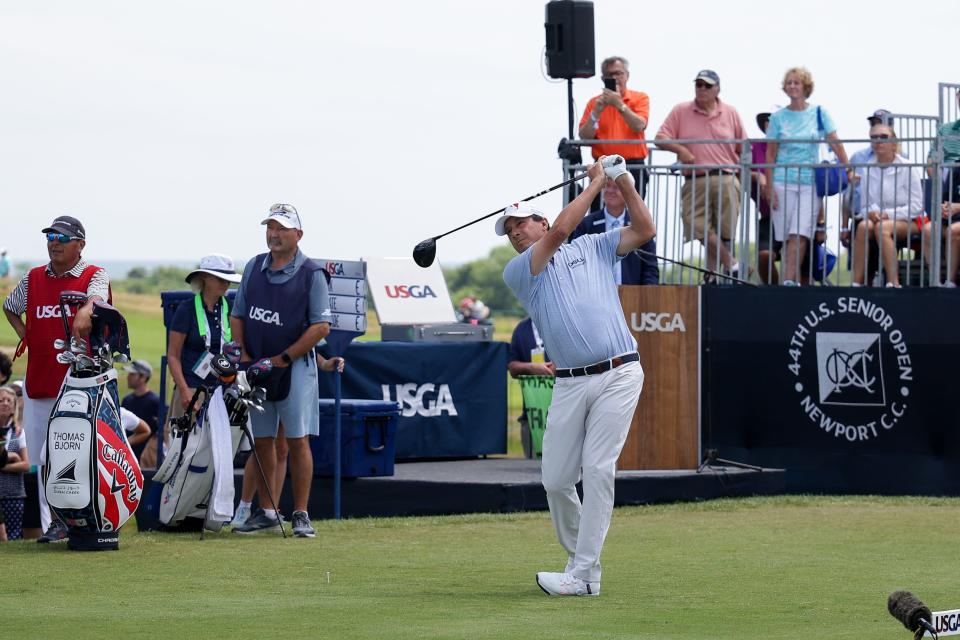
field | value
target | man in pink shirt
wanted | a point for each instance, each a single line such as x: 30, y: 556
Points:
x: 710, y: 198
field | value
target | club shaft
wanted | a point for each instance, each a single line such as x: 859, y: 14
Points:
x: 695, y: 268
x: 502, y: 209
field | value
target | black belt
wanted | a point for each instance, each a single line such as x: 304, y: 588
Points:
x: 712, y: 172
x: 599, y: 367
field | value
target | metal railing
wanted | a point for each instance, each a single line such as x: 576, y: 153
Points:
x: 909, y: 191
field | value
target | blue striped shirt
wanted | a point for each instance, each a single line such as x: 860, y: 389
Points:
x: 574, y: 300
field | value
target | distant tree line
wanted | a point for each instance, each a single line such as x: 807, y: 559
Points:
x: 483, y: 279
x: 140, y: 280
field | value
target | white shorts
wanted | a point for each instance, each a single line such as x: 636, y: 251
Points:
x: 796, y: 214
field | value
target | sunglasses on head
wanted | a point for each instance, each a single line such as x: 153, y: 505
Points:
x: 62, y: 238
x: 880, y: 136
x: 700, y: 84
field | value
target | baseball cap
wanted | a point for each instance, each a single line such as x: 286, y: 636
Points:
x: 515, y: 210
x: 216, y: 264
x: 285, y: 214
x: 882, y: 116
x: 709, y: 76
x: 139, y: 366
x: 67, y: 225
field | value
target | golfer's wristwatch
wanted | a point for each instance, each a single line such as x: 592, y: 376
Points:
x: 287, y: 360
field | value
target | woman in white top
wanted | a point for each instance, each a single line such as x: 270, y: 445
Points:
x: 892, y: 201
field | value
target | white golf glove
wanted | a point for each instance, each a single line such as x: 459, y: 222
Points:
x: 614, y: 166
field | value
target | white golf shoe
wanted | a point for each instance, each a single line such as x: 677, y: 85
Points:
x: 566, y: 584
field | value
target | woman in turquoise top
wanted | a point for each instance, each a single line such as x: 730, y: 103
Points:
x: 790, y: 189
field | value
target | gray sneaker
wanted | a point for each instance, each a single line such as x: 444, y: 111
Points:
x: 57, y: 532
x: 301, y: 525
x: 258, y: 523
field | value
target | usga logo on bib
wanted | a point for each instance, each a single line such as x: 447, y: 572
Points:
x: 853, y: 383
x: 265, y: 315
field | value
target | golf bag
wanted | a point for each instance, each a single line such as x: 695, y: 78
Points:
x: 188, y: 471
x: 91, y: 476
x: 200, y: 447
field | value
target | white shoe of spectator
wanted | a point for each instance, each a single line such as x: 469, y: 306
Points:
x: 949, y: 284
x: 566, y: 584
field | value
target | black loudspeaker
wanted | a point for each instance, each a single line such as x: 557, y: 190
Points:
x: 569, y: 29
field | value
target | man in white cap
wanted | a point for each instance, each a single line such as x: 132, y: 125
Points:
x: 281, y: 312
x: 570, y: 292
x: 4, y: 264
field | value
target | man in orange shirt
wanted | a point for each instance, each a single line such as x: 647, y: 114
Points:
x: 618, y: 114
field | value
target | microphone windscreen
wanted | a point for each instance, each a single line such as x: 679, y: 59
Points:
x: 907, y: 608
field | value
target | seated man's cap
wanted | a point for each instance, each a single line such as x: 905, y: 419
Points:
x: 139, y: 366
x: 880, y: 116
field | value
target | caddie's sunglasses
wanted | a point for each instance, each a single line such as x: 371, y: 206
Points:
x: 880, y: 136
x: 62, y: 238
x: 703, y: 85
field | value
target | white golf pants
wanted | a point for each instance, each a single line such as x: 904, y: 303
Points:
x: 36, y: 417
x: 587, y: 425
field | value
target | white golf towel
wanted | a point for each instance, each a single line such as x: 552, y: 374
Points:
x: 221, y: 498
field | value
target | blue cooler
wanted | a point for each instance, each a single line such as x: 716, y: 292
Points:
x: 368, y: 441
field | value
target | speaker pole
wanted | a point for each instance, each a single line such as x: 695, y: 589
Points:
x: 570, y: 109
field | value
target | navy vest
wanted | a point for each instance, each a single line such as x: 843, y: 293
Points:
x: 276, y: 315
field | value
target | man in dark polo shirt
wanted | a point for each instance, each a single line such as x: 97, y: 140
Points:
x: 282, y: 310
x: 143, y: 403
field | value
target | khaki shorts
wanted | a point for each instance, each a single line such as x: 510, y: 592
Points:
x: 710, y: 202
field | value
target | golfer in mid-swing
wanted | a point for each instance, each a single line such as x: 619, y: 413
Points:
x: 570, y: 292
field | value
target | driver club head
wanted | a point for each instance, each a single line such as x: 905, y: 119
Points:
x: 121, y: 358
x: 425, y: 252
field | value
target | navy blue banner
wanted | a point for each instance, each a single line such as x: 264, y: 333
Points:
x: 453, y: 397
x: 850, y: 390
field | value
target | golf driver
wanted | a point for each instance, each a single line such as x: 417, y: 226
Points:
x: 426, y: 251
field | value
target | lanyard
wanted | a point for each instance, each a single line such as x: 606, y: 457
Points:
x: 202, y: 321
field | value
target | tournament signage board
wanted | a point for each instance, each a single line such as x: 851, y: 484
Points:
x: 947, y: 623
x: 404, y: 293
x: 348, y: 301
x: 452, y: 396
x: 849, y: 390
x: 665, y: 430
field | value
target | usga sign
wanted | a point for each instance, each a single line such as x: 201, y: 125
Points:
x: 409, y: 291
x: 662, y: 322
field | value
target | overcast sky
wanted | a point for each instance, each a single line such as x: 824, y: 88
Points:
x: 169, y: 128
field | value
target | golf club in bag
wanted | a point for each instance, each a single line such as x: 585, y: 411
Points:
x: 91, y: 476
x: 200, y: 446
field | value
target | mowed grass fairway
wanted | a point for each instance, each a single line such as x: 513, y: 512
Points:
x: 789, y: 567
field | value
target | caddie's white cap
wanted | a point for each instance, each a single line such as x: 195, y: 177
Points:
x: 515, y: 210
x: 286, y: 215
x: 216, y: 264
